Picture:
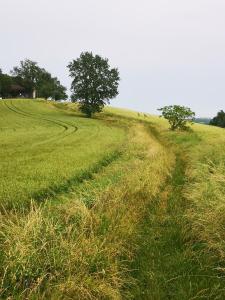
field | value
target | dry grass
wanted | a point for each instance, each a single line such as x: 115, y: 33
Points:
x: 72, y: 251
x: 79, y: 244
x: 206, y: 190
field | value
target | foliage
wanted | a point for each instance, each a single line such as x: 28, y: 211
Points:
x: 5, y: 85
x: 178, y: 116
x: 29, y: 79
x: 29, y: 72
x: 50, y: 87
x: 94, y: 82
x: 219, y: 120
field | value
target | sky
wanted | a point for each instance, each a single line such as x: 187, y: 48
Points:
x: 167, y: 51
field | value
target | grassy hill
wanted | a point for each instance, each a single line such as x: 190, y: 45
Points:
x: 115, y: 207
x: 44, y: 149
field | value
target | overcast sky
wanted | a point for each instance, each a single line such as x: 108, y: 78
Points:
x: 167, y: 51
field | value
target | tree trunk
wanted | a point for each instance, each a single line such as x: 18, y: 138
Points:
x: 34, y: 94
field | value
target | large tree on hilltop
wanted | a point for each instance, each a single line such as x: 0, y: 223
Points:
x: 38, y: 82
x: 94, y: 82
x: 30, y: 73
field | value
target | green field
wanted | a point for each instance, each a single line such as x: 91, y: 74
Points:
x: 114, y: 207
x: 44, y: 149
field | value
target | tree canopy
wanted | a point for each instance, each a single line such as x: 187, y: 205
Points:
x: 30, y: 73
x: 94, y: 83
x: 219, y: 120
x: 177, y: 116
x: 29, y: 80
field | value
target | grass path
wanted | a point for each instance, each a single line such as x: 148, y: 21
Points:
x: 168, y: 265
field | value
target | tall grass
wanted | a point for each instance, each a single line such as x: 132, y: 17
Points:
x: 79, y: 251
x: 206, y: 192
x: 187, y: 259
x: 125, y: 192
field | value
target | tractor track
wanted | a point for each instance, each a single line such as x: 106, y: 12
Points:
x: 66, y: 126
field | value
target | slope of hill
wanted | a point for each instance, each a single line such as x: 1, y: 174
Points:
x: 116, y: 207
x: 45, y: 149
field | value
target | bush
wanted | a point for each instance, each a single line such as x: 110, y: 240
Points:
x: 178, y: 116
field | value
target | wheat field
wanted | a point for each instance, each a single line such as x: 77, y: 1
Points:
x: 115, y: 207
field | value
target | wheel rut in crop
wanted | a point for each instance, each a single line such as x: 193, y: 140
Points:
x: 66, y: 186
x: 161, y: 240
x: 68, y: 128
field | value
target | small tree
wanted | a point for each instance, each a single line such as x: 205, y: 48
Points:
x: 94, y: 82
x: 178, y: 116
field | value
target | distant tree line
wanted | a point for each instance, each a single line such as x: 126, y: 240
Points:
x: 202, y: 120
x: 31, y: 81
